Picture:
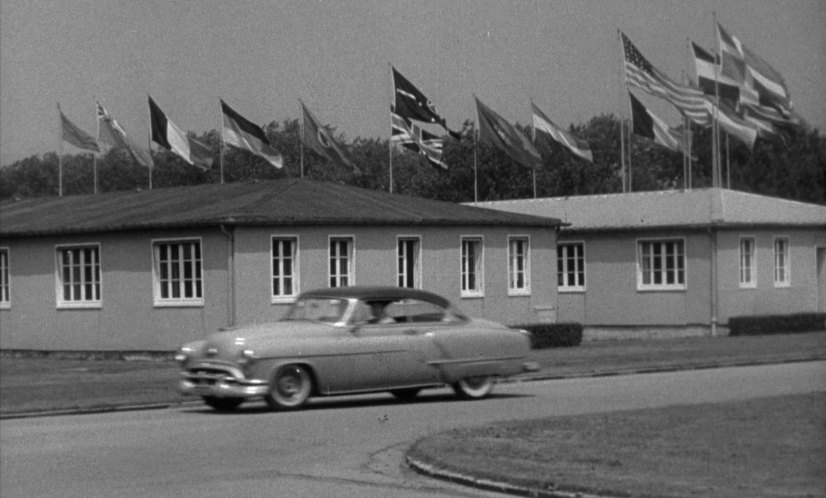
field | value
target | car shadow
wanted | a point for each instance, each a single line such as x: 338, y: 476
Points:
x: 346, y: 402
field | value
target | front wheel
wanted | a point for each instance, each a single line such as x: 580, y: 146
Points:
x: 290, y: 388
x: 222, y: 404
x: 474, y: 387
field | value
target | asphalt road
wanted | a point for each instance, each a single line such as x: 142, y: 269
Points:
x: 339, y: 447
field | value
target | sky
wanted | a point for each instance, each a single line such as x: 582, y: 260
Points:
x: 261, y: 57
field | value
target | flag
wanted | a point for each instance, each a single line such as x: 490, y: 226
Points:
x: 733, y: 124
x: 244, y: 134
x: 411, y: 104
x: 319, y: 139
x: 710, y: 78
x: 495, y: 130
x: 760, y: 83
x: 647, y: 124
x: 169, y: 136
x: 413, y: 137
x: 575, y: 145
x: 74, y: 135
x: 113, y: 135
x: 640, y: 73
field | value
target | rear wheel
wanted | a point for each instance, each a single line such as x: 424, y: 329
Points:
x: 405, y: 394
x: 474, y: 387
x: 290, y: 387
x: 222, y: 404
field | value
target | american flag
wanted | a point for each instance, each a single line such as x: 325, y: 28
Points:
x: 640, y: 73
x: 413, y: 137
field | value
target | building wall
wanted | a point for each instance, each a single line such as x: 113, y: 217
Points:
x: 765, y: 298
x: 128, y: 318
x: 611, y: 296
x: 375, y: 264
x: 612, y: 299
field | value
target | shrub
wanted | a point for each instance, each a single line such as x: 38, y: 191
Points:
x: 553, y: 335
x: 777, y: 324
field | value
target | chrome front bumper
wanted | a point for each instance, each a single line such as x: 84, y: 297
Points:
x: 220, y: 386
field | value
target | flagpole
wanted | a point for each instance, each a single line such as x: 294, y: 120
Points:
x: 221, y: 148
x: 94, y: 156
x: 59, y: 153
x: 715, y: 124
x: 728, y: 163
x: 301, y: 139
x: 390, y: 142
x: 475, y: 166
x: 621, y: 119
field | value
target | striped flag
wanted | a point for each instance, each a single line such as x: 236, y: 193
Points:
x: 413, y: 137
x: 710, y: 78
x: 112, y: 134
x: 497, y: 131
x: 74, y: 135
x: 760, y: 83
x: 169, y: 136
x: 647, y: 124
x: 640, y: 73
x: 574, y: 144
x: 244, y: 134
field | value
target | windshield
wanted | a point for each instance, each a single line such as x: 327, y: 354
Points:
x: 318, y: 309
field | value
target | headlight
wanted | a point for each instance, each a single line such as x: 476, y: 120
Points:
x: 182, y: 356
x: 246, y: 357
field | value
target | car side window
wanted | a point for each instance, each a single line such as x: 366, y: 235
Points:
x: 414, y: 311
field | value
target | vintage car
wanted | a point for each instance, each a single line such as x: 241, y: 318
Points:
x: 353, y: 340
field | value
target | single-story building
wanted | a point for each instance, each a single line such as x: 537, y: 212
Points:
x: 683, y: 258
x: 150, y: 270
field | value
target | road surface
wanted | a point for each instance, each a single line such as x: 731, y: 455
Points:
x: 336, y: 447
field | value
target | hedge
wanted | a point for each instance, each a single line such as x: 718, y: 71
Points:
x: 553, y: 335
x: 777, y: 324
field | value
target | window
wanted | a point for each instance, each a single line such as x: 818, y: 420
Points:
x: 782, y: 277
x: 472, y: 270
x: 570, y: 266
x: 661, y: 265
x: 78, y: 276
x: 409, y: 258
x: 341, y: 262
x: 178, y: 274
x: 518, y: 265
x: 748, y: 275
x: 284, y: 268
x: 5, y: 291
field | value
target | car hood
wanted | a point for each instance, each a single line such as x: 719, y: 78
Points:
x: 265, y: 337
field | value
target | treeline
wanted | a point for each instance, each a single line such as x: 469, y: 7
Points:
x: 792, y: 168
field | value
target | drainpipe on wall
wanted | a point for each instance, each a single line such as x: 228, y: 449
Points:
x: 230, y: 234
x: 713, y: 236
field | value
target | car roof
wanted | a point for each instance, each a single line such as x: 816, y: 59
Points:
x: 378, y: 292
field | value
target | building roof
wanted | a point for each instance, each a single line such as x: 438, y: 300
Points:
x: 285, y: 202
x: 669, y: 209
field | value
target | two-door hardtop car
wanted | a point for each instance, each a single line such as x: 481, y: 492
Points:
x: 353, y: 340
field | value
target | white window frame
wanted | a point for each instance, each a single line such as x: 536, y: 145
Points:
x: 350, y: 258
x: 478, y: 267
x: 402, y: 263
x: 82, y: 301
x: 513, y: 288
x: 679, y: 268
x: 782, y: 262
x: 194, y: 301
x: 296, y: 282
x: 748, y: 263
x: 5, y: 278
x: 566, y: 270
